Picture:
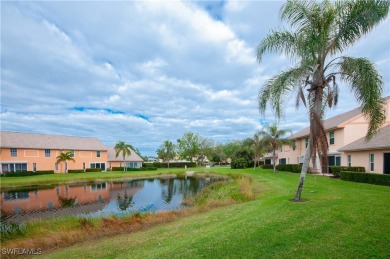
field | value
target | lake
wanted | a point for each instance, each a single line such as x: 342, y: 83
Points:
x: 100, y: 199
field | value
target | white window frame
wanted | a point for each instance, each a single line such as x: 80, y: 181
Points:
x: 349, y: 160
x: 72, y: 153
x: 14, y: 152
x: 47, y: 153
x: 331, y: 138
x: 372, y: 162
x: 98, y: 153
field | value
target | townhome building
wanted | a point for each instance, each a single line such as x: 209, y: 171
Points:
x: 38, y: 152
x: 347, y: 144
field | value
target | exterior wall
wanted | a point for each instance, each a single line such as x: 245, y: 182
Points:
x: 362, y: 158
x: 120, y: 164
x: 37, y: 156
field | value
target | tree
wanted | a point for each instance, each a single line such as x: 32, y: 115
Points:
x: 123, y: 148
x: 166, y: 151
x: 63, y: 157
x: 272, y: 138
x: 257, y: 145
x: 189, y: 145
x: 205, y: 148
x: 320, y: 31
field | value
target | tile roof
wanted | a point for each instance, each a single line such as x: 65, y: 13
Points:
x: 46, y: 141
x: 379, y: 141
x: 112, y: 158
x: 334, y: 121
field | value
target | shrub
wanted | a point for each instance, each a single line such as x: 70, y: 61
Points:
x: 121, y: 169
x: 336, y: 170
x: 93, y: 170
x: 28, y: 173
x: 294, y: 168
x: 239, y: 163
x: 378, y: 179
x: 75, y: 171
x: 267, y: 166
x: 171, y: 165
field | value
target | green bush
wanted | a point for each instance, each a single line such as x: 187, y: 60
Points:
x: 239, y: 163
x: 267, y: 166
x: 75, y: 171
x: 171, y: 165
x: 121, y: 169
x: 93, y: 170
x: 28, y: 173
x: 378, y: 179
x: 294, y: 168
x: 336, y: 170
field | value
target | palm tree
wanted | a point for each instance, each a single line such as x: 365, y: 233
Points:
x: 63, y: 157
x: 257, y: 144
x: 166, y: 151
x: 123, y: 148
x: 272, y: 137
x: 320, y: 32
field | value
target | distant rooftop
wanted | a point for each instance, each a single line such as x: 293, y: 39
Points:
x: 112, y: 158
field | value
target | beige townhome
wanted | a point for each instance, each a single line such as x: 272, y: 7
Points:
x: 131, y: 161
x: 347, y: 146
x: 38, y: 152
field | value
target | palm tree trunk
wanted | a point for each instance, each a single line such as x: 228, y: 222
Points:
x: 274, y: 158
x: 302, y: 177
x: 254, y: 164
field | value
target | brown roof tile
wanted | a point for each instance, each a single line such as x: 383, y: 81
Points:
x: 132, y: 158
x: 379, y: 141
x: 46, y: 141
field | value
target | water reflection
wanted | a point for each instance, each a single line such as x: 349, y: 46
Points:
x: 100, y: 199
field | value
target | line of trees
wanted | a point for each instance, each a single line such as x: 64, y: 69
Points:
x: 239, y: 153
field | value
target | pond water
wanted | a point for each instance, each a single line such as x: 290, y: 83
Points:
x: 100, y: 199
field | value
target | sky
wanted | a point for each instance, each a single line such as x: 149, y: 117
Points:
x: 147, y: 71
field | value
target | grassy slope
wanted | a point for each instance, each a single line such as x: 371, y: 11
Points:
x: 340, y: 219
x: 6, y: 182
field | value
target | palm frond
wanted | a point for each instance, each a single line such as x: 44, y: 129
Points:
x: 278, y: 41
x: 354, y: 20
x: 275, y: 89
x: 366, y: 84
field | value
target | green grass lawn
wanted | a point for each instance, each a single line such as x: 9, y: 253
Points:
x: 77, y: 177
x: 339, y: 220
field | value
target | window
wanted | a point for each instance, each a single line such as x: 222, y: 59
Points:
x: 98, y: 187
x: 83, y: 166
x: 13, y: 167
x: 131, y: 164
x: 34, y: 167
x: 110, y: 164
x: 47, y: 152
x: 281, y: 149
x: 102, y: 166
x: 97, y: 153
x: 331, y: 138
x: 14, y: 152
x: 349, y: 160
x: 294, y: 146
x: 306, y: 142
x: 282, y: 161
x: 71, y: 153
x: 56, y: 166
x: 371, y: 162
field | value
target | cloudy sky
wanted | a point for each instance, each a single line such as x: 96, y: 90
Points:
x: 144, y: 72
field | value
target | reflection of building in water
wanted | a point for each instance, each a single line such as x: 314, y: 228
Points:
x: 62, y: 200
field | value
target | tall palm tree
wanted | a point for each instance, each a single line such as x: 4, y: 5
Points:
x: 63, y: 157
x: 272, y: 137
x: 166, y: 151
x: 123, y: 148
x: 320, y: 32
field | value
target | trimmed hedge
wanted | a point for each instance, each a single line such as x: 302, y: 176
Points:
x: 294, y: 168
x: 171, y: 164
x: 121, y: 169
x: 76, y: 171
x: 268, y: 166
x: 336, y: 170
x: 93, y: 170
x: 28, y: 173
x: 378, y: 179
